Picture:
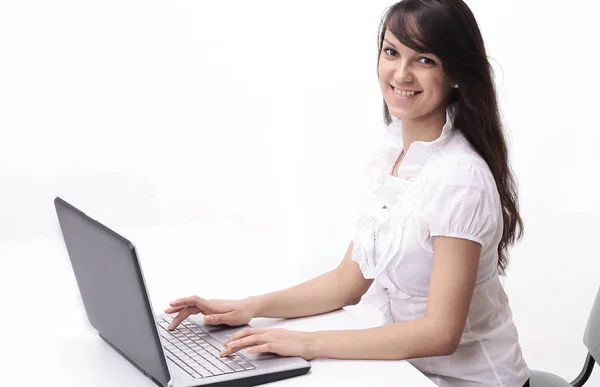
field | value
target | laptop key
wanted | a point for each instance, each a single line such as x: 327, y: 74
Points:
x: 220, y: 365
x: 205, y: 373
x: 197, y: 367
x: 246, y: 365
x: 186, y: 368
x: 241, y: 361
x: 213, y: 370
x: 233, y: 365
x: 200, y: 356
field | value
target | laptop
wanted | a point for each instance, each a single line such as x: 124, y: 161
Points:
x: 114, y: 294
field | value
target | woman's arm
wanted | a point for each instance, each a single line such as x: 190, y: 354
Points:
x: 337, y: 288
x: 437, y: 333
x: 333, y: 290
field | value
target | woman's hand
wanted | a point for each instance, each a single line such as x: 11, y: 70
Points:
x: 280, y: 341
x: 228, y: 312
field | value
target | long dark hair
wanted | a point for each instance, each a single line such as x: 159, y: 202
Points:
x: 447, y: 28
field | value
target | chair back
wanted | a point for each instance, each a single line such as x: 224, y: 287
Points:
x: 591, y: 336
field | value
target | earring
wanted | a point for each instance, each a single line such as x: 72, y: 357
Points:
x: 455, y: 86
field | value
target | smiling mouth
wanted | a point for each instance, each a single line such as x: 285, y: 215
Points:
x: 405, y: 93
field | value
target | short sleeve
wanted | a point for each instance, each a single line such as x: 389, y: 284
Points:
x: 460, y: 202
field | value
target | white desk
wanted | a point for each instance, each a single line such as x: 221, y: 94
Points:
x: 43, y: 308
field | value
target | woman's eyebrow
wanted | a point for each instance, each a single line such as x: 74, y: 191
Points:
x: 420, y: 52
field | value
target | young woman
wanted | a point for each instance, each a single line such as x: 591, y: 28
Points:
x: 438, y: 217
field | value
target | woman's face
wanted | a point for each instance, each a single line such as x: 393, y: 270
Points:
x: 404, y: 70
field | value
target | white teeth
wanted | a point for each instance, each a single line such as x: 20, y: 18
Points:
x: 404, y: 93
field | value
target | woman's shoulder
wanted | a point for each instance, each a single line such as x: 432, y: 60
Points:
x: 459, y: 164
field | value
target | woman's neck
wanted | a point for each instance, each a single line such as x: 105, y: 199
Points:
x: 425, y: 128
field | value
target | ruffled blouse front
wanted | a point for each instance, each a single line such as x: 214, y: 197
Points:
x: 381, y: 221
x: 443, y: 187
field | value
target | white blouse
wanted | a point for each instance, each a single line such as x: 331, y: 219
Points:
x: 444, y: 187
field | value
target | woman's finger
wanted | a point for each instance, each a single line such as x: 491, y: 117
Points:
x: 185, y: 313
x: 174, y: 310
x: 186, y: 301
x: 217, y: 319
x: 243, y: 333
x: 248, y: 341
x: 204, y: 306
x: 268, y: 347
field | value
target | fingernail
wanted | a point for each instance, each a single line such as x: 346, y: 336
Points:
x: 223, y: 352
x: 210, y: 319
x: 226, y: 342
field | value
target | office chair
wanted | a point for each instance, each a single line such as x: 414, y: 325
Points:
x: 591, y: 339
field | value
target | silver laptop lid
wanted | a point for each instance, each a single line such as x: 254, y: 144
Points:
x: 113, y: 290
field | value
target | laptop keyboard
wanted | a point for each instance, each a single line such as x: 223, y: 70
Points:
x: 186, y: 346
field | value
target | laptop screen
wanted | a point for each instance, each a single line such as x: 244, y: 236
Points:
x: 112, y: 289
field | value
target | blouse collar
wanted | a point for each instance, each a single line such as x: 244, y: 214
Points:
x: 419, y: 151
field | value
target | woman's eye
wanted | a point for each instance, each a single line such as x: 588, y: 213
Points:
x: 391, y: 50
x: 426, y: 60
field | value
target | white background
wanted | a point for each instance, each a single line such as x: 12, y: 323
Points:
x: 152, y: 114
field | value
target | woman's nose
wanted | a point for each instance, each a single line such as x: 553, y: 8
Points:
x: 403, y: 74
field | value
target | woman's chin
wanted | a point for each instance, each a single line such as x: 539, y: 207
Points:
x: 400, y: 114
